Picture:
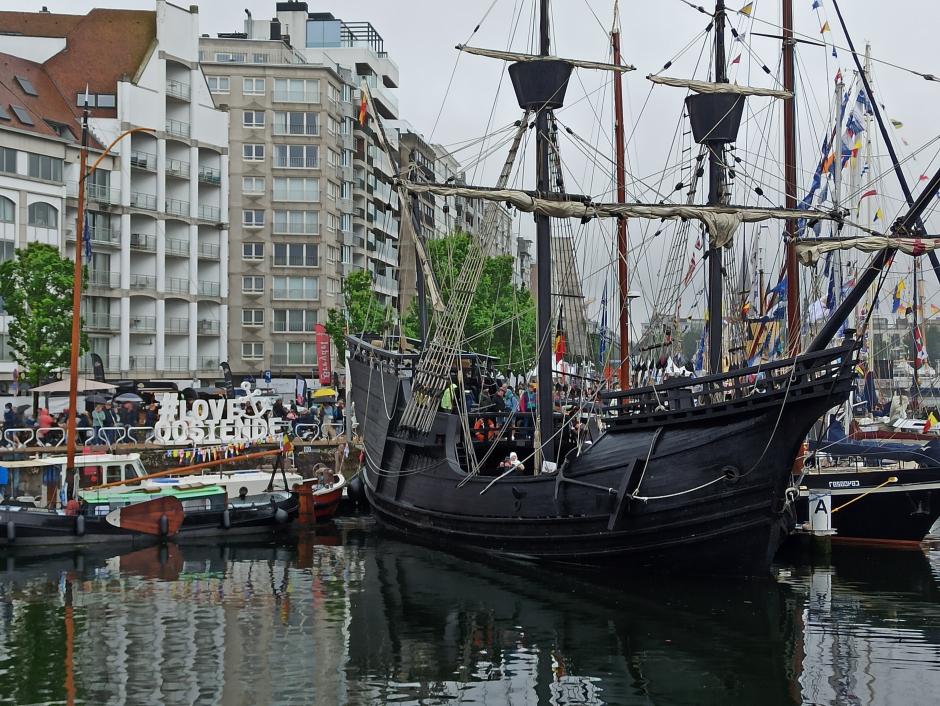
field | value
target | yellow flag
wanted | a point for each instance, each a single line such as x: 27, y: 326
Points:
x: 825, y: 28
x: 746, y: 10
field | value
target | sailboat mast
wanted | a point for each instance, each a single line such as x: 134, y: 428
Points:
x: 716, y: 195
x: 623, y: 372
x: 543, y: 258
x: 789, y: 181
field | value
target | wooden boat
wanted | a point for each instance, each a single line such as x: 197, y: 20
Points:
x: 206, y: 508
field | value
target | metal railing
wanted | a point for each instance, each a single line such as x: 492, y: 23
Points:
x: 177, y: 246
x: 177, y: 167
x: 142, y: 362
x: 177, y: 207
x: 143, y: 241
x: 102, y: 322
x: 207, y: 327
x: 209, y: 250
x: 176, y: 362
x: 102, y: 193
x: 176, y: 324
x: 210, y: 175
x: 209, y: 289
x: 210, y: 213
x: 141, y: 200
x: 177, y: 89
x: 100, y: 234
x: 207, y: 362
x: 143, y: 160
x: 104, y: 278
x: 177, y: 285
x: 177, y: 128
x: 142, y: 324
x: 138, y: 281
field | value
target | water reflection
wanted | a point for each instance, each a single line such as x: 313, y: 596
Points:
x: 351, y: 617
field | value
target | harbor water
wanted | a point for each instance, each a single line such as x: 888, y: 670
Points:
x: 350, y: 616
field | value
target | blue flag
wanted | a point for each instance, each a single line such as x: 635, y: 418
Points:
x: 86, y: 239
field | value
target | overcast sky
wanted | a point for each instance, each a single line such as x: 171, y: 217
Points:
x: 420, y: 35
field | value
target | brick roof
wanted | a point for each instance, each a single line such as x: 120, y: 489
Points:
x: 102, y: 47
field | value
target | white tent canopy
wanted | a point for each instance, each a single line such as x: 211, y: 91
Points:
x: 84, y: 385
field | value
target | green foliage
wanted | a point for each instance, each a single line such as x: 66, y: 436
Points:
x: 362, y: 311
x: 501, y: 321
x: 36, y: 287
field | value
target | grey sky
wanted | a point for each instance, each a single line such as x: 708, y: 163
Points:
x: 420, y: 35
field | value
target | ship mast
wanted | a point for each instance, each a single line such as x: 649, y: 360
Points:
x: 623, y: 372
x: 543, y: 259
x: 717, y: 194
x: 789, y: 181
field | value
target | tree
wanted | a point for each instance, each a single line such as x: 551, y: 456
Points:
x: 362, y: 310
x: 501, y: 320
x: 36, y: 286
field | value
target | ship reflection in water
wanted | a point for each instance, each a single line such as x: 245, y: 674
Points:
x: 356, y: 618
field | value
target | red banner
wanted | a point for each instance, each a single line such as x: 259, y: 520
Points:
x: 323, y: 355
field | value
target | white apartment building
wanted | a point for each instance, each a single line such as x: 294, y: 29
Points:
x: 156, y: 301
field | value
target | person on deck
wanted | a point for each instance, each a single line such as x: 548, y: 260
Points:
x: 98, y: 422
x: 513, y: 463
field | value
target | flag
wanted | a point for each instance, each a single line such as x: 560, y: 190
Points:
x: 825, y: 28
x: 286, y: 445
x: 922, y: 177
x: 363, y: 106
x: 839, y: 76
x: 690, y: 272
x: 878, y: 216
x: 86, y: 240
x: 919, y: 348
x: 934, y: 309
x: 747, y: 9
x: 736, y: 60
x: 559, y: 347
x: 931, y: 422
x: 897, y: 123
x: 898, y: 293
x: 817, y: 4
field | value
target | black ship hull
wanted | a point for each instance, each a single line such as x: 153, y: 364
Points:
x: 681, y: 488
x: 867, y: 505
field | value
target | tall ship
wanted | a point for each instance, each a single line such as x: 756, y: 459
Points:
x: 683, y: 473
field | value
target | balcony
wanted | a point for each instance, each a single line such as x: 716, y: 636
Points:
x: 177, y: 168
x: 176, y: 363
x: 100, y: 235
x: 209, y: 289
x: 176, y: 324
x: 111, y: 362
x: 104, y: 279
x: 207, y: 327
x: 143, y: 324
x: 178, y: 247
x: 177, y: 207
x: 144, y: 160
x: 102, y: 194
x: 210, y: 175
x: 143, y: 242
x: 177, y: 89
x: 208, y: 362
x: 141, y: 200
x: 178, y: 285
x: 210, y: 213
x: 209, y: 251
x: 177, y: 128
x: 97, y: 321
x: 141, y: 362
x: 143, y: 281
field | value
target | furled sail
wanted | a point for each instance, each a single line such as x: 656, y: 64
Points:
x: 721, y: 221
x: 516, y: 56
x: 712, y: 87
x: 810, y: 250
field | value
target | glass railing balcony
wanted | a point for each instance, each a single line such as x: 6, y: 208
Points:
x: 141, y: 200
x: 104, y: 278
x: 177, y: 128
x: 141, y: 362
x: 209, y: 251
x: 210, y: 175
x: 177, y: 285
x: 209, y: 289
x: 143, y: 324
x: 143, y: 281
x: 100, y: 235
x: 143, y: 241
x: 97, y: 321
x: 144, y: 160
x: 209, y: 213
x: 208, y: 362
x: 102, y: 193
x: 177, y: 168
x: 177, y: 89
x: 207, y: 327
x: 178, y: 247
x: 176, y: 363
x: 177, y: 207
x: 176, y: 324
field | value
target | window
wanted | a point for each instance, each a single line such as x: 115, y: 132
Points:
x: 345, y: 222
x: 332, y: 254
x: 297, y: 189
x: 346, y: 159
x: 80, y: 100
x: 297, y: 222
x: 107, y: 100
x: 303, y: 288
x: 297, y: 156
x: 253, y: 86
x: 7, y: 210
x: 294, y: 320
x: 296, y: 123
x: 253, y: 218
x: 295, y: 353
x: 253, y: 153
x: 332, y: 125
x: 332, y: 158
x: 297, y: 90
x: 252, y: 317
x: 252, y: 351
x: 21, y: 114
x: 7, y: 247
x: 7, y: 160
x: 252, y: 185
x: 42, y: 215
x: 345, y: 190
x: 228, y: 57
x: 26, y: 85
x: 332, y: 222
x: 218, y: 84
x: 296, y: 255
x: 42, y: 167
x: 252, y: 251
x: 253, y: 118
x: 252, y: 285
x: 331, y: 190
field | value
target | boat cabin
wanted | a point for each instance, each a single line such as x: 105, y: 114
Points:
x: 27, y: 478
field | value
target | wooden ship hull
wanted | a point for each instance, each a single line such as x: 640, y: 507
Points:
x: 691, y: 477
